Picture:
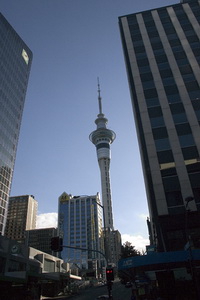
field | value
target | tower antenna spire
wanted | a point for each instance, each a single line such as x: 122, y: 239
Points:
x: 99, y: 97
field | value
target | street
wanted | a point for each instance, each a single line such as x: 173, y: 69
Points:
x: 119, y: 292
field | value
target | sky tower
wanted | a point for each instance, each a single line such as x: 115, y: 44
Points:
x: 102, y: 138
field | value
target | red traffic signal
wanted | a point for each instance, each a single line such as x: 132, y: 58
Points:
x: 109, y: 274
x: 56, y: 244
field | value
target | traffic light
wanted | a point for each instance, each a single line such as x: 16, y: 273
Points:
x: 109, y: 274
x: 56, y: 244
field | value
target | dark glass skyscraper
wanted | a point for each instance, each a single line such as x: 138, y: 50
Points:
x: 15, y: 63
x: 162, y: 54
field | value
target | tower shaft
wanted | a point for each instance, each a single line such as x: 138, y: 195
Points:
x: 102, y: 138
x: 104, y: 165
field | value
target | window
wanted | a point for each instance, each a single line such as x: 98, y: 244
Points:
x: 144, y: 69
x: 153, y: 34
x: 157, y: 122
x: 172, y: 36
x: 168, y: 172
x: 146, y: 77
x: 183, y: 129
x: 177, y: 108
x: 192, y: 86
x: 132, y: 20
x: 152, y: 102
x: 166, y: 73
x: 193, y: 166
x: 161, y: 58
x: 173, y: 98
x: 159, y: 133
x: 148, y: 84
x: 150, y: 24
x: 196, y: 52
x: 177, y: 49
x: 185, y: 69
x: 192, y: 39
x: 134, y: 29
x: 162, y: 144
x: 165, y: 157
x: 150, y: 93
x: 194, y: 94
x: 139, y: 49
x: 169, y: 29
x: 143, y: 62
x: 180, y: 55
x: 147, y: 16
x: 163, y: 66
x: 155, y: 112
x: 171, y: 184
x: 188, y: 78
x: 174, y: 198
x: 157, y: 45
x: 180, y: 118
x: 194, y: 179
x: 175, y: 42
x: 186, y: 140
x: 168, y: 81
x: 136, y: 37
x: 190, y: 152
x: 171, y: 90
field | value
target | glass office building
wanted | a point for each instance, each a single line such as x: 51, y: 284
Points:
x: 162, y: 54
x: 15, y: 63
x: 80, y: 225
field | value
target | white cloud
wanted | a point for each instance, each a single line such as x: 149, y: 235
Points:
x: 47, y: 220
x: 143, y: 216
x: 138, y: 241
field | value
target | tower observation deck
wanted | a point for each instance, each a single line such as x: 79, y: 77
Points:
x: 102, y: 138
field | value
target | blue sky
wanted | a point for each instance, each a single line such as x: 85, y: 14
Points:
x: 74, y: 42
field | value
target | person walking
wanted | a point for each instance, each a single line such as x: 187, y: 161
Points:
x: 133, y: 295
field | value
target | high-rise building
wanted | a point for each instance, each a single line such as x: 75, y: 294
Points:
x: 162, y: 54
x: 80, y: 226
x: 15, y: 66
x: 102, y: 137
x: 113, y: 243
x: 22, y: 213
x: 41, y: 239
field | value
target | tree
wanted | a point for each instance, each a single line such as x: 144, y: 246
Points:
x: 127, y: 250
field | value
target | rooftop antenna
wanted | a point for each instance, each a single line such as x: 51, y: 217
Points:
x: 99, y: 96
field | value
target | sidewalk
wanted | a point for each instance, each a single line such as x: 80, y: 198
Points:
x: 57, y: 297
x: 61, y: 297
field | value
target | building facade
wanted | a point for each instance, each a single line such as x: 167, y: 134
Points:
x: 22, y: 213
x: 80, y: 226
x: 113, y: 244
x: 15, y: 63
x: 40, y: 239
x: 162, y: 55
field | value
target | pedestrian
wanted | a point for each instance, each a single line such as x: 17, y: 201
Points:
x: 133, y: 295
